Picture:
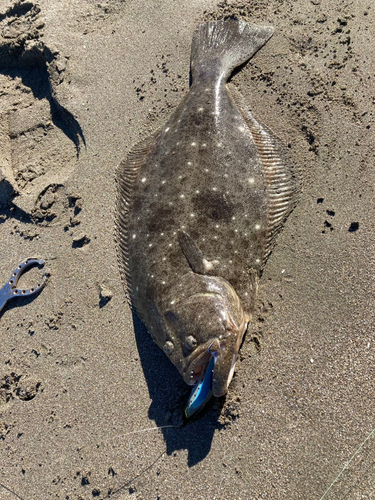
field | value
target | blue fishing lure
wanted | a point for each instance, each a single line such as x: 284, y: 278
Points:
x: 202, y: 391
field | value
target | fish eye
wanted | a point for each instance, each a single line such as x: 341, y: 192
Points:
x: 168, y: 348
x: 191, y: 342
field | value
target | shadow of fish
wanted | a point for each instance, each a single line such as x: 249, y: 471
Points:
x: 199, y: 206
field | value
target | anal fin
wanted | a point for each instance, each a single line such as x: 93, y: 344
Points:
x: 282, y: 179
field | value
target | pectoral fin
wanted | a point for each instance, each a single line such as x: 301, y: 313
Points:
x: 193, y: 255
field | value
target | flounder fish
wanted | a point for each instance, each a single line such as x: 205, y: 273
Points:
x: 200, y: 203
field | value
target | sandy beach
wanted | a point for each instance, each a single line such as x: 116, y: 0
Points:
x: 90, y: 407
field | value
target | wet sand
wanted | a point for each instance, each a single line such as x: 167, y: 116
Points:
x: 82, y: 386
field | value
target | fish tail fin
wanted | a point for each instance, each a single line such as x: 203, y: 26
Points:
x: 220, y: 46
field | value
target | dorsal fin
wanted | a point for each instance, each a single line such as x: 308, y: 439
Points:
x: 127, y: 174
x: 283, y: 184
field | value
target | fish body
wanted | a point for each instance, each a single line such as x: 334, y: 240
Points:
x: 200, y: 204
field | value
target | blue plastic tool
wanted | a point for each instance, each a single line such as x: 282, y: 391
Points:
x: 201, y: 392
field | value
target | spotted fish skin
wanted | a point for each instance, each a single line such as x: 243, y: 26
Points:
x: 200, y: 204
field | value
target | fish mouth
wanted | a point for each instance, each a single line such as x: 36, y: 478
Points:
x: 225, y: 353
x: 200, y: 359
x: 201, y: 373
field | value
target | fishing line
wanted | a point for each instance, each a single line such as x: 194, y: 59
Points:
x: 106, y: 440
x: 137, y: 476
x: 347, y: 464
x: 10, y: 491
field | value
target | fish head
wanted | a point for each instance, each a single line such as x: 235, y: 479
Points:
x: 206, y: 320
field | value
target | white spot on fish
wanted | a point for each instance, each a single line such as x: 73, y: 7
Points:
x: 163, y: 182
x: 150, y: 245
x: 214, y: 189
x: 251, y: 180
x: 191, y: 215
x: 189, y: 163
x: 200, y: 109
x: 241, y: 129
x: 204, y: 145
x: 182, y: 196
x: 257, y: 226
x: 197, y: 191
x: 193, y: 143
x: 144, y: 179
x: 134, y: 236
x: 257, y: 261
x: 166, y: 130
x: 172, y: 302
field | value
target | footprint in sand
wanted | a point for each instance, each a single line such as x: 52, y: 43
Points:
x: 39, y: 138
